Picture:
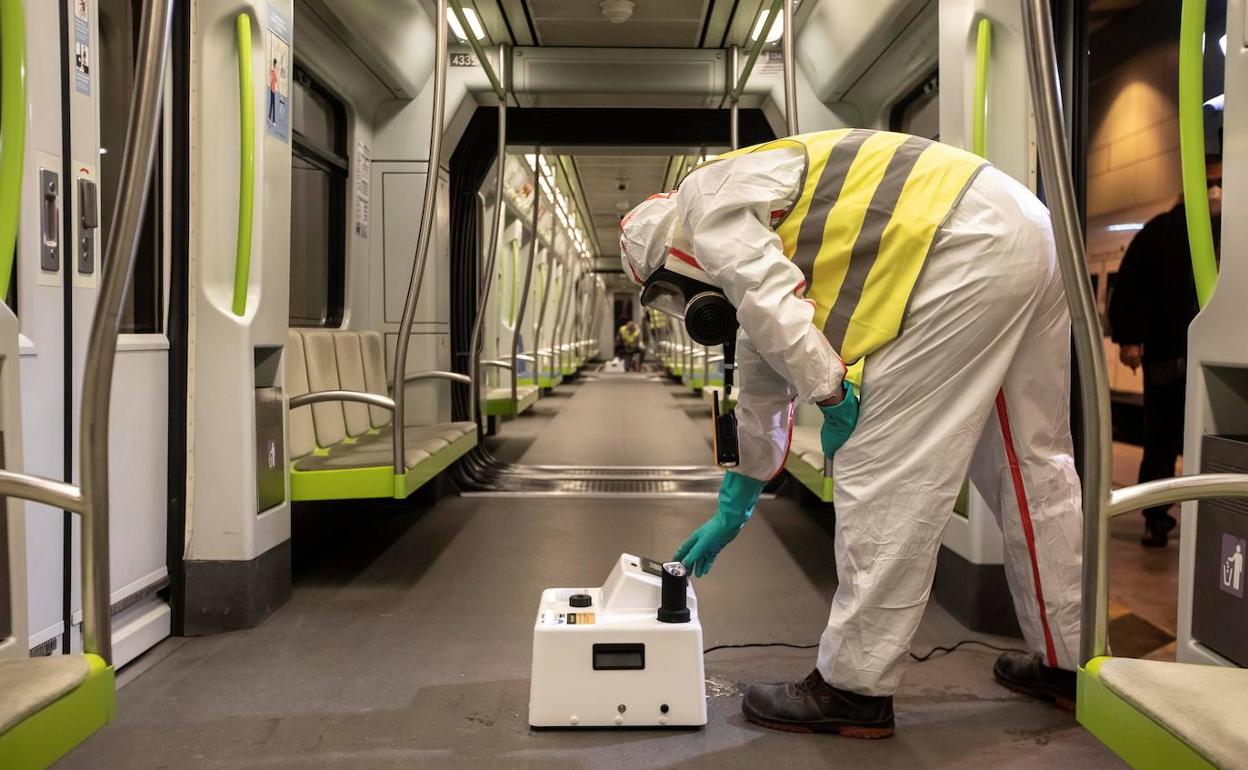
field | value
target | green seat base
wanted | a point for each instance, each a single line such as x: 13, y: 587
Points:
x: 376, y: 482
x: 812, y: 478
x: 49, y: 734
x: 1141, y: 741
x: 505, y: 407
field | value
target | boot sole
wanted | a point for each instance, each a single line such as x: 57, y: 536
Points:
x: 862, y: 732
x: 1062, y: 702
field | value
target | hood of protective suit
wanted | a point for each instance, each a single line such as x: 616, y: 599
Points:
x: 645, y: 234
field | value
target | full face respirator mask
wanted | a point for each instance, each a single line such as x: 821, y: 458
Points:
x: 681, y: 290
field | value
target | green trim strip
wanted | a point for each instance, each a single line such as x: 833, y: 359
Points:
x: 1192, y: 147
x: 49, y: 734
x: 811, y: 478
x: 246, y: 165
x: 1142, y: 742
x: 12, y: 132
x: 378, y: 481
x: 979, y: 116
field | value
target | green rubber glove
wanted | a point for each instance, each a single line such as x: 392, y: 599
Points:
x: 737, y: 496
x: 839, y: 421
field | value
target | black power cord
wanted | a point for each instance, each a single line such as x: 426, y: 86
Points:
x: 935, y: 651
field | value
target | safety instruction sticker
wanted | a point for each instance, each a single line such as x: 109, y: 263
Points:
x: 82, y: 46
x: 277, y: 75
x: 568, y: 618
x: 363, y: 171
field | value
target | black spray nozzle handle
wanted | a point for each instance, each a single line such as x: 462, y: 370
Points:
x: 675, y: 606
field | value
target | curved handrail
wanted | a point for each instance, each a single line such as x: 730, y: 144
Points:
x: 1153, y: 494
x: 354, y: 396
x: 37, y: 489
x: 246, y: 165
x: 1085, y: 323
x: 773, y: 15
x: 424, y: 236
x: 979, y: 114
x: 463, y: 379
x: 497, y: 364
x: 12, y: 132
x: 1192, y: 147
x: 119, y: 257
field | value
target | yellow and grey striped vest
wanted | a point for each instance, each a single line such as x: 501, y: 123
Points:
x: 862, y: 225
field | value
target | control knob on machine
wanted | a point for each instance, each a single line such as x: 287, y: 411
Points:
x: 581, y: 600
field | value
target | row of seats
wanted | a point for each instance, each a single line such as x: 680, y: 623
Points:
x: 343, y: 449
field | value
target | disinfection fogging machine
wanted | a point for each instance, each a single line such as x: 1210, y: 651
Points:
x: 626, y: 654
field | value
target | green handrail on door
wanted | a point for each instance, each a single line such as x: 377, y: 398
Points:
x: 979, y: 116
x: 12, y: 131
x: 247, y: 165
x: 1192, y: 147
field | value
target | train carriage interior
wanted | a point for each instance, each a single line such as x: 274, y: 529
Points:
x: 320, y: 364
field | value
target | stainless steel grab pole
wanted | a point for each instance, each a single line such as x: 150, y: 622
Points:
x: 118, y: 264
x: 421, y: 257
x: 486, y: 280
x: 1093, y: 371
x: 528, y: 287
x: 550, y: 268
x: 734, y: 110
x: 790, y: 70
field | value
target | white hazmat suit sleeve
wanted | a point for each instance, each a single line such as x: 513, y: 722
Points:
x: 726, y: 209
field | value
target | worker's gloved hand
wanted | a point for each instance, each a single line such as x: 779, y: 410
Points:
x: 737, y: 496
x: 839, y: 421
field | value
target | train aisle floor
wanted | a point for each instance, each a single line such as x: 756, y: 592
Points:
x: 407, y: 643
x: 610, y: 419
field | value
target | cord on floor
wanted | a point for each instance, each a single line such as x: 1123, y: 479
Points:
x: 935, y: 651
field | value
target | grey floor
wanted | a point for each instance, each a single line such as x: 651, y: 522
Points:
x: 406, y: 643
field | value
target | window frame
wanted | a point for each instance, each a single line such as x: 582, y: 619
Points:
x: 337, y: 166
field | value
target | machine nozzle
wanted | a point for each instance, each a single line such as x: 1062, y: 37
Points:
x: 675, y: 606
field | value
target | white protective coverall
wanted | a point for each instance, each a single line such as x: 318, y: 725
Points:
x: 977, y: 380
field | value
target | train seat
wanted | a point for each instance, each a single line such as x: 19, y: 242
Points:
x: 52, y: 704
x: 498, y: 401
x: 343, y: 450
x: 1158, y: 714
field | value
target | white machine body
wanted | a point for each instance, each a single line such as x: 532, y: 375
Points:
x: 613, y: 663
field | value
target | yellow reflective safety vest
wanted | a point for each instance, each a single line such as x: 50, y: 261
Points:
x: 628, y: 337
x: 863, y: 223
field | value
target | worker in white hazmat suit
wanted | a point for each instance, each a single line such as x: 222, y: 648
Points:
x: 911, y: 290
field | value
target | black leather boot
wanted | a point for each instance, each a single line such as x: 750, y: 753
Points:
x: 814, y: 706
x: 1157, y: 531
x: 1027, y: 674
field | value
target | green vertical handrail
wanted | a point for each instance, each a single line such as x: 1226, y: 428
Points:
x: 514, y: 296
x: 12, y: 132
x: 1192, y: 147
x: 247, y: 165
x: 979, y: 118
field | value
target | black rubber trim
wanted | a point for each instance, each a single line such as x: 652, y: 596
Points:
x: 68, y: 250
x: 179, y: 303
